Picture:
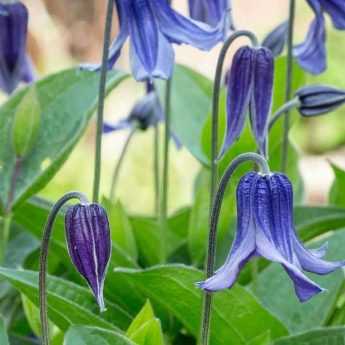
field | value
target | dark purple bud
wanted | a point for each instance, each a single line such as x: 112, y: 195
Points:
x: 250, y: 84
x: 14, y: 63
x: 275, y: 41
x: 89, y: 244
x: 319, y: 99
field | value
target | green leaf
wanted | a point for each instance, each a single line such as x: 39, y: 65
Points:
x: 337, y: 195
x: 3, y: 333
x: 33, y: 214
x: 190, y: 103
x: 67, y: 101
x: 79, y: 335
x: 32, y: 315
x: 121, y: 229
x: 325, y: 336
x: 173, y: 287
x: 145, y: 328
x: 276, y: 292
x: 68, y: 303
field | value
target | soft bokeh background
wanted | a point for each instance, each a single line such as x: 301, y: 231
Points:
x: 64, y: 33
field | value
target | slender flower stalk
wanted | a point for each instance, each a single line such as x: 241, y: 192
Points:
x: 44, y: 260
x: 283, y: 111
x: 119, y: 163
x: 289, y: 79
x: 216, y: 208
x: 156, y: 170
x: 102, y: 90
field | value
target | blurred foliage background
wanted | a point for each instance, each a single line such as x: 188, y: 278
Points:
x: 65, y: 33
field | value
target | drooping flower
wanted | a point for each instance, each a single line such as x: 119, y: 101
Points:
x: 152, y: 26
x: 211, y: 12
x: 276, y: 39
x: 15, y: 65
x: 89, y: 244
x: 250, y: 88
x: 265, y: 228
x: 311, y: 54
x: 319, y: 99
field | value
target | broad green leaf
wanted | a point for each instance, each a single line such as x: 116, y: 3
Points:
x: 33, y: 214
x: 79, y: 335
x: 146, y: 329
x: 276, y: 292
x: 68, y: 303
x: 264, y: 339
x: 337, y: 195
x: 3, y: 333
x: 190, y: 103
x: 121, y: 229
x: 32, y: 315
x: 325, y: 336
x: 67, y: 101
x: 173, y: 287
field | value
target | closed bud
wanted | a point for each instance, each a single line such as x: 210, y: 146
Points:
x: 26, y: 123
x: 319, y: 99
x: 89, y: 244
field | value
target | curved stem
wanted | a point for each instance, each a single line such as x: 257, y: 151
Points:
x: 44, y: 260
x: 102, y: 90
x: 289, y: 78
x: 215, y: 101
x: 119, y: 163
x: 156, y: 167
x: 216, y: 208
x: 283, y: 111
x: 165, y: 179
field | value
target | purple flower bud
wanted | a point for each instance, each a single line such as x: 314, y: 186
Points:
x: 319, y: 99
x: 89, y: 244
x: 276, y: 39
x: 250, y: 87
x: 14, y: 63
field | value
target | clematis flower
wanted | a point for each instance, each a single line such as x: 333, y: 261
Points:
x: 276, y: 39
x: 250, y: 87
x: 311, y: 54
x: 152, y: 26
x: 89, y: 244
x: 15, y: 65
x: 265, y: 228
x: 211, y: 12
x: 319, y: 99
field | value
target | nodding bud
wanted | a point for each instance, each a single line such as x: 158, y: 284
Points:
x: 275, y: 41
x: 319, y: 99
x: 89, y: 244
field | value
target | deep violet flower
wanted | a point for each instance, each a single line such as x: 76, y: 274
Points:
x: 265, y: 228
x: 250, y: 88
x: 15, y: 65
x: 152, y: 26
x: 311, y: 54
x: 211, y: 12
x: 276, y: 39
x: 89, y: 244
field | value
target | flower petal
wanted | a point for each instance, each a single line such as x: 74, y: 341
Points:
x: 275, y: 41
x: 122, y: 124
x: 311, y: 54
x: 336, y: 9
x: 240, y: 85
x: 262, y: 95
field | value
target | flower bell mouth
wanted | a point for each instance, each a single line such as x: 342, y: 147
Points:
x: 15, y: 66
x: 265, y: 228
x: 152, y: 26
x: 89, y: 244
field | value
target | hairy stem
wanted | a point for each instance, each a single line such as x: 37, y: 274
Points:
x: 102, y: 90
x: 216, y: 208
x: 44, y: 260
x: 289, y: 79
x: 119, y: 164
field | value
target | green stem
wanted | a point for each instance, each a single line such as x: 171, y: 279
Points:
x: 156, y: 167
x: 4, y: 236
x: 283, y: 111
x: 119, y: 164
x: 289, y: 79
x: 102, y: 91
x: 216, y: 208
x: 44, y: 260
x: 165, y: 179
